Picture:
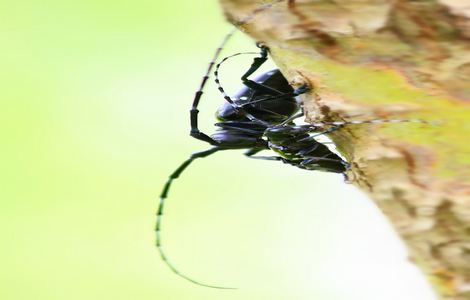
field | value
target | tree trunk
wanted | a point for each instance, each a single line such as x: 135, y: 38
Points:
x: 384, y: 59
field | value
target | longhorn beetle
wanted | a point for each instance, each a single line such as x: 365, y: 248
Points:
x: 259, y: 117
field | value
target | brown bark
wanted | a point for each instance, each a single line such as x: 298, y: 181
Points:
x: 384, y: 59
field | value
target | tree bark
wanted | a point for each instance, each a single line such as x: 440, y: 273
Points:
x: 384, y: 59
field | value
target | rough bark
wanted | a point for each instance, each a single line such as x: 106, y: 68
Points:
x: 384, y: 59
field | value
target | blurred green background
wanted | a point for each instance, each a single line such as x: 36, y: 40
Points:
x: 94, y: 116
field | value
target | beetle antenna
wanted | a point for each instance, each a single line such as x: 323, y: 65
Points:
x: 196, y: 133
x: 217, y: 79
x: 239, y: 107
x: 227, y: 97
x: 199, y: 135
x: 375, y: 121
x: 161, y: 205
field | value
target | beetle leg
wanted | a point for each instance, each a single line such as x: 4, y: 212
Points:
x: 257, y: 62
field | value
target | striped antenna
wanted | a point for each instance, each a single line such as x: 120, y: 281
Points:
x: 376, y: 121
x: 227, y: 98
x: 201, y: 136
x: 163, y: 196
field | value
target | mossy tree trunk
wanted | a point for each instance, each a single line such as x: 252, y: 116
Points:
x: 384, y: 59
